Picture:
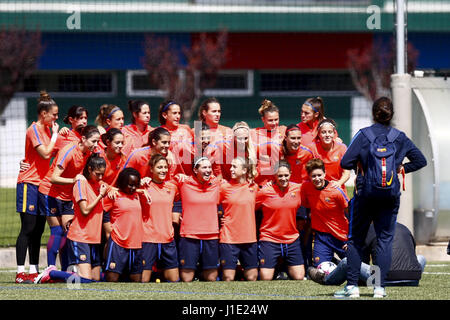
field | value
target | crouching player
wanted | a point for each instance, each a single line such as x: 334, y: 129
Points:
x: 328, y: 206
x: 125, y: 242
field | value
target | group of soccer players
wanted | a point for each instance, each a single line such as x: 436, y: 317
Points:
x: 209, y: 202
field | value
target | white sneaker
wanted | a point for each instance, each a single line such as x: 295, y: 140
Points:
x: 379, y: 292
x: 348, y: 292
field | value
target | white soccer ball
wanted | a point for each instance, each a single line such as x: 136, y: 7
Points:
x: 327, y: 267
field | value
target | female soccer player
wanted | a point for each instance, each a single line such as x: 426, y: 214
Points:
x: 268, y: 140
x: 158, y: 142
x: 330, y: 151
x: 210, y: 112
x: 84, y: 236
x: 136, y: 133
x: 199, y: 229
x: 115, y: 160
x: 297, y: 154
x: 109, y: 116
x: 40, y: 142
x: 312, y: 113
x: 238, y: 226
x: 279, y: 237
x: 77, y: 118
x: 158, y: 239
x: 241, y: 145
x: 367, y: 207
x: 55, y: 190
x: 181, y: 135
x: 125, y: 242
x: 328, y: 204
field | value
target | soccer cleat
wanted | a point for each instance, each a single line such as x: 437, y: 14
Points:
x: 22, y: 277
x: 348, y: 292
x: 44, y: 276
x: 32, y: 276
x: 316, y: 275
x: 379, y: 292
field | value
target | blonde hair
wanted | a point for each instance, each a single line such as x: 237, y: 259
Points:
x: 267, y: 106
x: 249, y: 149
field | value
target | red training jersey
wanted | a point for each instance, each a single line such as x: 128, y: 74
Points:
x: 158, y: 227
x: 331, y: 159
x: 86, y: 229
x: 126, y: 220
x: 268, y: 146
x: 133, y: 138
x: 238, y: 223
x: 199, y: 202
x: 36, y: 135
x: 72, y: 161
x: 298, y: 161
x: 279, y: 209
x: 327, y: 209
x: 309, y: 134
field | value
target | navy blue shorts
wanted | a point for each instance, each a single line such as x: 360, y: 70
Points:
x: 246, y: 253
x: 269, y: 252
x: 192, y: 251
x: 53, y: 207
x: 80, y: 252
x: 324, y: 246
x: 106, y: 217
x: 177, y: 207
x: 302, y: 213
x: 27, y: 199
x: 119, y: 259
x: 164, y: 253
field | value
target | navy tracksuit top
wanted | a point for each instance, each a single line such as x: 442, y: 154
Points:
x: 358, y: 151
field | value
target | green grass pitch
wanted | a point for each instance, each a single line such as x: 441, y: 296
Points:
x: 435, y: 285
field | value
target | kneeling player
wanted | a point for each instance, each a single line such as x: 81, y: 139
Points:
x: 328, y: 206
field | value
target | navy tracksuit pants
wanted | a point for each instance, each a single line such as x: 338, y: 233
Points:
x: 383, y: 214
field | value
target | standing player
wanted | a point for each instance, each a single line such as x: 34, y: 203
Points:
x: 268, y: 140
x: 241, y: 145
x: 312, y: 113
x: 158, y: 142
x: 40, y: 142
x: 158, y: 239
x: 113, y: 140
x: 109, y: 116
x: 83, y: 238
x: 328, y: 204
x: 77, y: 118
x: 297, y: 154
x: 199, y: 229
x: 181, y: 135
x: 279, y: 237
x: 113, y: 155
x: 123, y: 250
x: 331, y: 151
x: 136, y: 133
x: 55, y: 190
x: 238, y: 225
x: 210, y: 112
